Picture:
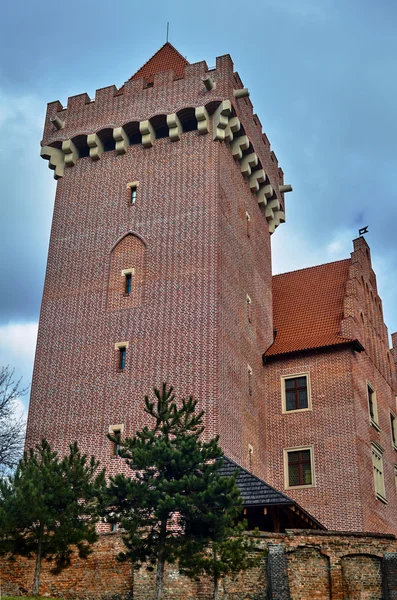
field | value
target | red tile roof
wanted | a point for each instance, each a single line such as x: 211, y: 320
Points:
x: 165, y: 59
x: 308, y: 308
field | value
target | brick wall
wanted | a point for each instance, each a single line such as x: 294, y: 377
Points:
x: 323, y: 565
x: 185, y: 319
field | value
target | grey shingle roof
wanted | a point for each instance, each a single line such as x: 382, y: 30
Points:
x: 254, y: 491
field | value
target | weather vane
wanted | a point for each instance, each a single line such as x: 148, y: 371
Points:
x: 363, y: 230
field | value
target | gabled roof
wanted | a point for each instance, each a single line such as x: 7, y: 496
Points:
x: 308, y: 308
x: 165, y: 59
x: 256, y: 492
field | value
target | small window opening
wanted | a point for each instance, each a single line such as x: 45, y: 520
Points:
x: 116, y: 444
x: 371, y: 403
x: 128, y: 281
x: 248, y: 219
x: 249, y: 309
x: 113, y: 527
x: 122, y: 357
x: 393, y: 425
x: 133, y: 194
x: 250, y: 381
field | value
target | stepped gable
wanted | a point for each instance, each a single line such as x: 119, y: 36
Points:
x: 256, y: 492
x: 166, y: 59
x: 308, y: 308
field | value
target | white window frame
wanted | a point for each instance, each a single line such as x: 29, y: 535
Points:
x: 378, y: 471
x: 393, y: 429
x: 374, y: 421
x: 287, y: 451
x: 284, y: 378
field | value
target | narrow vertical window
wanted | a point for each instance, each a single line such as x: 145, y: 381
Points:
x: 248, y: 219
x: 115, y: 431
x: 132, y: 188
x: 116, y: 443
x: 249, y: 311
x: 249, y: 380
x: 122, y: 357
x: 121, y: 348
x: 128, y: 280
x: 393, y: 427
x: 377, y: 464
x: 372, y: 406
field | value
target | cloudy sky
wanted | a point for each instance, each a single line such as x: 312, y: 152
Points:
x: 323, y: 80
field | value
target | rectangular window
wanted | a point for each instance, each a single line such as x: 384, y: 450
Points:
x: 295, y: 392
x: 249, y: 311
x: 248, y: 219
x: 249, y: 380
x: 122, y: 357
x: 128, y: 281
x: 372, y: 406
x: 299, y: 467
x: 377, y: 464
x: 393, y: 427
x: 133, y: 194
x: 116, y: 445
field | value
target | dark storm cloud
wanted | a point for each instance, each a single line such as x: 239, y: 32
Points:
x: 322, y: 76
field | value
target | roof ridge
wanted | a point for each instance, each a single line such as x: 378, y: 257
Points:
x: 334, y: 262
x: 167, y: 44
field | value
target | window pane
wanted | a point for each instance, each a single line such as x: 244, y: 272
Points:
x: 290, y: 384
x: 301, y: 381
x: 307, y: 474
x: 302, y: 399
x: 293, y: 475
x: 290, y: 400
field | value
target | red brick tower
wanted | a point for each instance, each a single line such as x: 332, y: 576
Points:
x: 159, y: 265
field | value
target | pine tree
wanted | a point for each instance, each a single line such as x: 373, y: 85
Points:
x: 49, y: 505
x: 175, y: 494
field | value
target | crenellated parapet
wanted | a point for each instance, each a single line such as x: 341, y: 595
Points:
x: 220, y: 106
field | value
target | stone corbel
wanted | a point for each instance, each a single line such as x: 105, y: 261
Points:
x: 148, y: 134
x: 240, y: 144
x: 121, y: 139
x: 232, y: 127
x: 285, y: 188
x: 174, y: 127
x: 264, y: 194
x: 247, y: 163
x: 95, y: 145
x: 241, y: 93
x: 272, y: 207
x: 57, y: 122
x: 56, y: 160
x: 256, y: 178
x: 202, y: 117
x: 279, y: 217
x: 221, y: 120
x: 71, y: 153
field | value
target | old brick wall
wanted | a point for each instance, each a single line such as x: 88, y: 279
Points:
x: 185, y: 320
x: 323, y: 565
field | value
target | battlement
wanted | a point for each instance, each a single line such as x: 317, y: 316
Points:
x: 168, y: 103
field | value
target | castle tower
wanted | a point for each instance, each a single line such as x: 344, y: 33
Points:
x: 159, y: 265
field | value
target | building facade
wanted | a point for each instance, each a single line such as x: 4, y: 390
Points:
x: 159, y: 269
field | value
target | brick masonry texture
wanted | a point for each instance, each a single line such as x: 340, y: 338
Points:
x: 326, y: 565
x: 187, y: 322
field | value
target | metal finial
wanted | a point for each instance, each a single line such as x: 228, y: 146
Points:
x: 168, y: 28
